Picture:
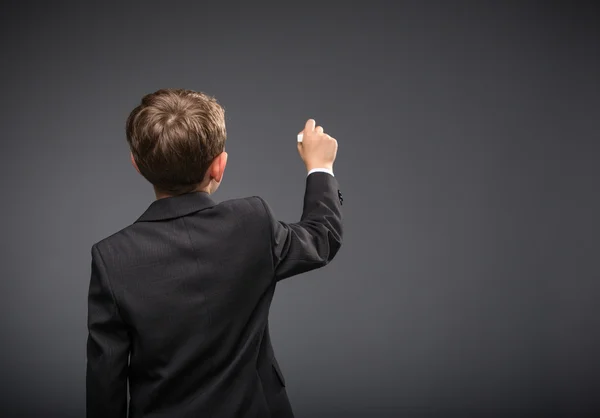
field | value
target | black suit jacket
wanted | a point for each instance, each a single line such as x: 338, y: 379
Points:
x: 179, y: 302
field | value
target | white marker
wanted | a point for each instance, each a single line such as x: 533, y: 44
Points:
x: 300, y: 137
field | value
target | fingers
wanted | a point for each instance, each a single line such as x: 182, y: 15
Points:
x: 310, y: 125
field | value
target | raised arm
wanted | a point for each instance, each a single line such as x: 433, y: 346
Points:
x: 315, y: 240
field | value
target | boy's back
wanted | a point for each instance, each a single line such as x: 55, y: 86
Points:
x: 179, y: 302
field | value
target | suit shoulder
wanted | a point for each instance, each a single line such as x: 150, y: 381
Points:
x: 104, y: 244
x: 253, y: 203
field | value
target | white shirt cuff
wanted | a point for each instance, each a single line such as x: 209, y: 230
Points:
x: 324, y: 170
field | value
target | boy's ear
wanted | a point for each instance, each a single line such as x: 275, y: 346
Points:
x: 218, y: 166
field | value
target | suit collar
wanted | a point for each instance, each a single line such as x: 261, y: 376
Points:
x: 176, y: 206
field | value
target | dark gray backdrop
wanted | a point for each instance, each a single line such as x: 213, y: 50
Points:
x: 468, y: 283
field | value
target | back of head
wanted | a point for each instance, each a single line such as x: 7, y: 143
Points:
x: 174, y: 135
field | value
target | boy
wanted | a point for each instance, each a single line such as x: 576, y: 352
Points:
x: 178, y: 301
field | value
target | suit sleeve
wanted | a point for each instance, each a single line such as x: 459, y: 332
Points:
x: 107, y: 348
x: 313, y: 241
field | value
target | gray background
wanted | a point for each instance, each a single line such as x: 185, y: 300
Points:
x: 468, y: 282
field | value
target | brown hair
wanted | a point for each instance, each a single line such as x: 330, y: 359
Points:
x: 174, y: 135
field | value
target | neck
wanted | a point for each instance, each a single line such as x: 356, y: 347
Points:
x: 200, y: 188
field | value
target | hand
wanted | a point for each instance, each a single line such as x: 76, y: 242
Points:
x: 317, y: 149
